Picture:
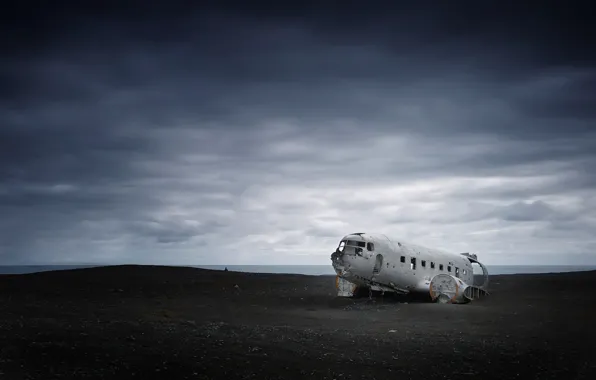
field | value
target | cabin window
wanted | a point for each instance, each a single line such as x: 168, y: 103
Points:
x: 432, y: 265
x: 413, y: 263
x: 423, y: 262
x: 456, y: 272
x: 402, y: 259
x: 370, y: 247
x: 448, y: 268
x: 464, y: 272
x: 440, y: 266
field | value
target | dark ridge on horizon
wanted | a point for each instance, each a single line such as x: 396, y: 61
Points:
x: 163, y: 270
x: 168, y: 269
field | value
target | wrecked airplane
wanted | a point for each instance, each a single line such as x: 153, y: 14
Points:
x: 375, y: 262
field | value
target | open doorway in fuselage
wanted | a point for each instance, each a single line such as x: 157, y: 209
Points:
x: 378, y: 264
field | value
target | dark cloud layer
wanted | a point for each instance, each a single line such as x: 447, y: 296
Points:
x: 229, y: 133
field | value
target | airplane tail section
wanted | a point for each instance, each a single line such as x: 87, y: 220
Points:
x: 474, y: 260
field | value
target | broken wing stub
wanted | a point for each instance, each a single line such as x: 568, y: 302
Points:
x: 445, y: 288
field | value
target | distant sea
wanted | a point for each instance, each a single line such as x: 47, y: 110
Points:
x: 315, y: 270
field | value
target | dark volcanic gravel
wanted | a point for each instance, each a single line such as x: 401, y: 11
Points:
x: 140, y: 322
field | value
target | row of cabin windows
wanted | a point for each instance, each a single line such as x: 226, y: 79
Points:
x: 432, y: 265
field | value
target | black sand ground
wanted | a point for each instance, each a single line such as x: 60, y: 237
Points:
x: 135, y: 322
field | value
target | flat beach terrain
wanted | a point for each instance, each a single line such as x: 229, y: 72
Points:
x: 142, y: 322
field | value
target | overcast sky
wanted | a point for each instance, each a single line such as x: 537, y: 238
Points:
x: 167, y: 135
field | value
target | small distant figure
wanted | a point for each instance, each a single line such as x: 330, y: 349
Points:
x: 226, y: 269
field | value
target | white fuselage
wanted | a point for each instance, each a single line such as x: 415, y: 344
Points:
x: 394, y: 265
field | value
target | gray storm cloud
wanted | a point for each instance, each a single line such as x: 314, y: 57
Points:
x: 239, y: 138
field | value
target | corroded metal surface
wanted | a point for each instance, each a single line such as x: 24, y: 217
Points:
x: 445, y: 288
x: 344, y: 287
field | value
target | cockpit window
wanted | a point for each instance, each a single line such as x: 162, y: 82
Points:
x: 355, y: 243
x: 370, y: 247
x: 351, y: 247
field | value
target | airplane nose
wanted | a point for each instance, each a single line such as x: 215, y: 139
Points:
x: 336, y: 257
